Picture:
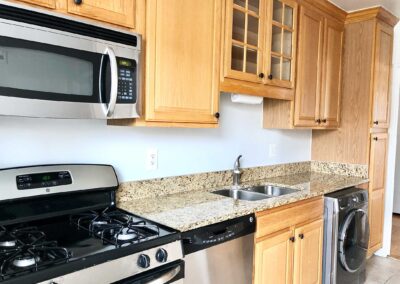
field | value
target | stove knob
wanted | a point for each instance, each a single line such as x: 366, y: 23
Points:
x: 161, y: 255
x: 143, y: 261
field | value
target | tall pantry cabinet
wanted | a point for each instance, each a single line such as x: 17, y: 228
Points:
x: 363, y: 136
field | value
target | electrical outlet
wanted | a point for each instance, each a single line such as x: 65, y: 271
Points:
x: 152, y: 159
x: 272, y: 150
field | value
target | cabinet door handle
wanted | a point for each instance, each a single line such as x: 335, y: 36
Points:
x: 301, y: 236
x: 78, y: 2
x: 292, y: 239
x: 318, y: 121
x: 324, y: 120
x: 376, y: 138
x: 261, y: 75
x: 270, y: 76
x: 217, y: 115
x: 376, y: 122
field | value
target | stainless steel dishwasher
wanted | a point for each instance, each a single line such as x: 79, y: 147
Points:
x: 220, y: 253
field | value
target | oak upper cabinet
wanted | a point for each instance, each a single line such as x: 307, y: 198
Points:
x: 44, y: 3
x: 329, y: 112
x: 309, y: 67
x: 183, y: 56
x: 377, y: 169
x: 289, y: 242
x: 281, y: 42
x: 259, y: 47
x: 118, y: 12
x: 244, y: 39
x: 382, y: 74
x: 308, y: 253
x: 317, y: 102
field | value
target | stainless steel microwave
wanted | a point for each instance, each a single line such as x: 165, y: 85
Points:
x: 54, y: 66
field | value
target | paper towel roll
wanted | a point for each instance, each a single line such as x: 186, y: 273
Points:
x: 244, y: 99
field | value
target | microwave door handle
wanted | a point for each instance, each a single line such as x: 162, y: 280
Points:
x: 109, y: 109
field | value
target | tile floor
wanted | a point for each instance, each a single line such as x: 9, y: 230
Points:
x: 381, y: 270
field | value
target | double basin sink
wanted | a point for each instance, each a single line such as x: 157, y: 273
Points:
x: 256, y: 192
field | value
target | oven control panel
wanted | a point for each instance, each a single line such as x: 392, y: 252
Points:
x: 126, y: 81
x: 39, y: 180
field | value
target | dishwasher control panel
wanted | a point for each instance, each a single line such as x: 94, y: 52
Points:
x: 215, y: 234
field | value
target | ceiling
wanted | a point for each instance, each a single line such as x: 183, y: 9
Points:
x: 351, y: 5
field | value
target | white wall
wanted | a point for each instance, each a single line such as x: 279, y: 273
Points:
x: 392, y: 195
x: 27, y: 141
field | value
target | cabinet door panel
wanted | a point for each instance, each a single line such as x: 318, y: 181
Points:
x: 378, y: 157
x: 182, y: 74
x: 308, y: 253
x: 309, y: 69
x: 273, y: 259
x: 331, y: 77
x: 382, y: 73
x: 244, y: 40
x: 118, y: 12
x: 45, y: 3
x: 376, y: 209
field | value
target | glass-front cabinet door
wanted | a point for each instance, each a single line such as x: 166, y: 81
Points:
x: 281, y: 42
x: 245, y: 22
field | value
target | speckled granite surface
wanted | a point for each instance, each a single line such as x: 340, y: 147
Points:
x: 196, y: 208
x: 340, y: 169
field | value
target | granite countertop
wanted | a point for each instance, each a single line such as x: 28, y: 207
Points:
x: 194, y: 209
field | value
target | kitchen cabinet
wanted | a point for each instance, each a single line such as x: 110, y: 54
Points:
x: 118, y: 12
x: 382, y: 75
x: 289, y: 243
x: 44, y: 3
x: 365, y: 104
x: 319, y: 70
x: 318, y: 80
x: 182, y: 61
x: 259, y: 47
x: 308, y: 253
x: 377, y: 176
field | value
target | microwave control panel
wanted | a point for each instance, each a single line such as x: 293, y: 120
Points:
x: 39, y: 180
x: 126, y: 81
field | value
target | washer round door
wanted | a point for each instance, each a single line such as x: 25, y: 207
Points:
x: 353, y: 240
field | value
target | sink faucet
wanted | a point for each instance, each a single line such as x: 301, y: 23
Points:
x: 236, y: 172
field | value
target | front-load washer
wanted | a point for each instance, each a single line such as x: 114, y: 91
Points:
x: 346, y: 236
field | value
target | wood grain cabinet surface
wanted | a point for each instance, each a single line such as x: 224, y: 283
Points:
x: 44, y: 3
x: 288, y: 244
x: 118, y: 12
x: 260, y: 48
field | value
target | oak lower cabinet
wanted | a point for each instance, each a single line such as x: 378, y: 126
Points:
x: 293, y: 253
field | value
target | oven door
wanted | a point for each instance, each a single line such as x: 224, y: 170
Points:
x: 50, y: 73
x: 172, y: 273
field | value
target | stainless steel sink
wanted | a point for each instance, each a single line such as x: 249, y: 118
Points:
x: 271, y: 190
x: 242, y: 194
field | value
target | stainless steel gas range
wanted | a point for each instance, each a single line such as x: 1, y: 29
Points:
x: 59, y: 224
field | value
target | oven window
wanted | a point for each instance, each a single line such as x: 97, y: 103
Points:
x: 42, y: 71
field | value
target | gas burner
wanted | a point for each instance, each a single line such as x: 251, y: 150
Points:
x: 115, y: 227
x: 25, y: 261
x: 126, y: 235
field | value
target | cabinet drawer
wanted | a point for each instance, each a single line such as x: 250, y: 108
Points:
x: 276, y: 219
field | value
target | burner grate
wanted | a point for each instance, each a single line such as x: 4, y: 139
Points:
x: 27, y: 250
x: 115, y: 227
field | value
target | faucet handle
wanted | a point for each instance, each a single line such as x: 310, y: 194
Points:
x: 236, y: 165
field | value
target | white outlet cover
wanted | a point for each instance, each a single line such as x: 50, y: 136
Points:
x: 272, y: 150
x: 152, y: 159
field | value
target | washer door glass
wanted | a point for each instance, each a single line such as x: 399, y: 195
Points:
x: 353, y: 240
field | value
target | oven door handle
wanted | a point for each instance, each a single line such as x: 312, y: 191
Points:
x: 109, y: 109
x: 165, y: 278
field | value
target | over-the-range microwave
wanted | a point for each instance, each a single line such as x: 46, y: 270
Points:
x: 58, y: 67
